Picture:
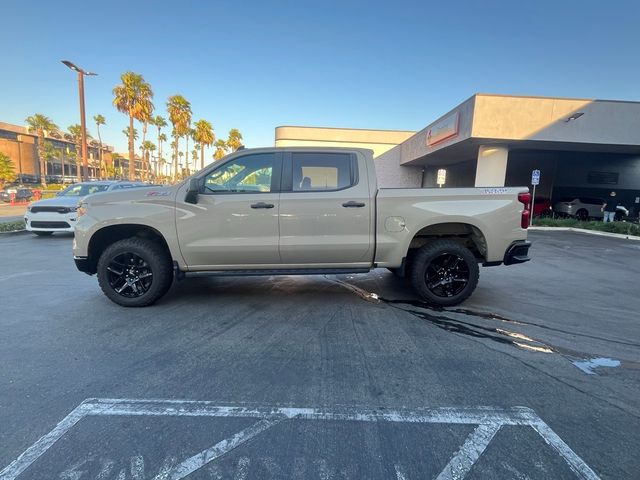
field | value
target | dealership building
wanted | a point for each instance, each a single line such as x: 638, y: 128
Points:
x: 581, y: 147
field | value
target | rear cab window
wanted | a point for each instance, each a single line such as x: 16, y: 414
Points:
x: 321, y: 172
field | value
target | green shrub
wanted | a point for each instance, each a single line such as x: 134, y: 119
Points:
x: 12, y: 226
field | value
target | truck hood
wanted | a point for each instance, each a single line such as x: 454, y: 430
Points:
x: 57, y: 202
x: 143, y: 194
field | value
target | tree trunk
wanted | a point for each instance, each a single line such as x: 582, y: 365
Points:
x: 175, y: 160
x: 132, y: 156
x: 186, y: 153
x: 201, y: 156
x: 43, y: 161
x: 102, y: 169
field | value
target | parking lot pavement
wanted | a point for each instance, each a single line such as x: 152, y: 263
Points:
x: 323, y: 377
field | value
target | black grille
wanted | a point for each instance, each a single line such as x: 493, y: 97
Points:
x: 49, y: 225
x: 50, y: 209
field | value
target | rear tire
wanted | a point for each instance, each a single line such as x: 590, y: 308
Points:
x: 444, y: 273
x: 43, y: 234
x: 134, y: 272
x: 582, y: 215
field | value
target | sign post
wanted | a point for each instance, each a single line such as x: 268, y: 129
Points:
x: 442, y: 177
x: 535, y: 180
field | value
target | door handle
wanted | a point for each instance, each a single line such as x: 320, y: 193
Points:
x: 262, y: 205
x: 353, y: 204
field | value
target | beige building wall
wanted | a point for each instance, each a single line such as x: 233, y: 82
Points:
x: 380, y: 141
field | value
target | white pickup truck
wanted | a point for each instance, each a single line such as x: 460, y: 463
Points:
x: 273, y: 211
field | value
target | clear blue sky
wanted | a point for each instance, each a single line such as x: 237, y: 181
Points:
x: 255, y: 65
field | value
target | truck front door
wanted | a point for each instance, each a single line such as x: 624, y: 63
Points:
x: 235, y: 221
x: 325, y: 210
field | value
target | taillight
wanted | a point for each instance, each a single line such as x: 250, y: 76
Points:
x: 525, y: 199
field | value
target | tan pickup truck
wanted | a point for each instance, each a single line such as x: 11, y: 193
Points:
x: 273, y: 211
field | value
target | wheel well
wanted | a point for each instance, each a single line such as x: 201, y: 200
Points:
x: 109, y: 235
x: 463, y: 233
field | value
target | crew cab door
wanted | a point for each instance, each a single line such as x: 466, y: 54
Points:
x: 325, y: 210
x: 235, y: 220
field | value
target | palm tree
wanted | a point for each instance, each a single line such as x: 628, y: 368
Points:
x: 204, y: 136
x: 100, y: 120
x: 147, y: 147
x: 161, y: 139
x: 76, y: 135
x: 234, y: 142
x: 133, y: 97
x: 179, y: 110
x: 125, y: 131
x: 221, y: 149
x: 159, y: 122
x: 187, y: 136
x: 41, y: 125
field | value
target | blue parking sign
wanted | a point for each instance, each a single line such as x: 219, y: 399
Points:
x: 535, y: 177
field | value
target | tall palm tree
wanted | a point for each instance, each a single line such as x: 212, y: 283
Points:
x: 159, y: 122
x: 133, y: 97
x: 234, y: 142
x: 100, y: 120
x: 179, y: 110
x: 76, y: 135
x: 161, y: 161
x: 203, y: 134
x: 187, y: 136
x: 147, y: 147
x: 41, y: 125
x: 221, y: 149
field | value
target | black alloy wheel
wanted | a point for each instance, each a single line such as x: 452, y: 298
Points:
x: 447, y: 275
x: 444, y: 272
x: 129, y: 275
x: 135, y: 272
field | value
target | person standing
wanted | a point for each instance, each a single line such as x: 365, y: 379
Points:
x: 609, y: 208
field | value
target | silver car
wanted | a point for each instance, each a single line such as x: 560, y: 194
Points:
x: 584, y: 208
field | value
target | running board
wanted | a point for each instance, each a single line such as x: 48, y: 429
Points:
x: 278, y: 271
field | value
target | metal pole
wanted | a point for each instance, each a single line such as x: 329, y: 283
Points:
x: 533, y: 201
x: 83, y: 127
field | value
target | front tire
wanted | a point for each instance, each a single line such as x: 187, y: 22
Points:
x: 134, y: 272
x: 444, y: 273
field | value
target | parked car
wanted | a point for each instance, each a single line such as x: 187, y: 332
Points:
x: 584, y: 208
x: 58, y: 214
x: 298, y: 211
x: 23, y: 194
x: 542, y: 207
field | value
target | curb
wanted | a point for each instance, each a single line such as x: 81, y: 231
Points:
x: 584, y: 230
x: 14, y: 232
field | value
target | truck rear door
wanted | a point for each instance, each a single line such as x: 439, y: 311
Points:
x: 325, y: 210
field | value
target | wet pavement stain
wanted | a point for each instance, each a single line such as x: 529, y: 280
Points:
x: 437, y: 316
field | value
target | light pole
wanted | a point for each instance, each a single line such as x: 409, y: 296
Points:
x: 83, y: 123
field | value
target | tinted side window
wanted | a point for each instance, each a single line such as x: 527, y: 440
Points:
x: 321, y: 171
x: 248, y: 174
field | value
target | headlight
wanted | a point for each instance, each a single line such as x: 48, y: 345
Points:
x: 73, y: 209
x: 81, y: 209
x: 29, y: 208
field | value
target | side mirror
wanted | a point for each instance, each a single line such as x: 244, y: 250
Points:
x: 193, y: 189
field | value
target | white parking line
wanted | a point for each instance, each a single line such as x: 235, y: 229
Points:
x: 488, y: 419
x: 473, y: 447
x: 199, y: 460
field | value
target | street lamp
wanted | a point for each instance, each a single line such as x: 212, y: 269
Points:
x: 83, y: 123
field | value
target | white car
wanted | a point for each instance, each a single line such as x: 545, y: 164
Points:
x: 584, y: 208
x: 58, y: 214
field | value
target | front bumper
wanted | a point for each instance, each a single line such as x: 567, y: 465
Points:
x: 84, y: 265
x: 50, y: 221
x: 518, y: 252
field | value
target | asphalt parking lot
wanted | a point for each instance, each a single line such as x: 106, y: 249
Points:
x: 536, y: 376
